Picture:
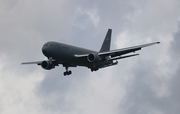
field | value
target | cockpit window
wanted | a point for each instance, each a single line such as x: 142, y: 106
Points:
x: 47, y: 44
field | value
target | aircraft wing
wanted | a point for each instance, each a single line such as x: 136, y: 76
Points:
x: 54, y: 62
x: 37, y: 62
x: 119, y: 52
x: 123, y: 51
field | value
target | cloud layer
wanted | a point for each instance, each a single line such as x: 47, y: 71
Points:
x: 144, y: 84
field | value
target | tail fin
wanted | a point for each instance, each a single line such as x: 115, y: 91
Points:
x: 107, y: 42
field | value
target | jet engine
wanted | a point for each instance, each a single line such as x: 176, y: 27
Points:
x: 47, y: 65
x: 93, y: 57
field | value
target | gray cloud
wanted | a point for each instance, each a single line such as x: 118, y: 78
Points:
x: 144, y: 84
x: 151, y: 91
x: 174, y: 44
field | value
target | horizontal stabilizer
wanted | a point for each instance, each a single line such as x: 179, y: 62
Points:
x: 112, y: 64
x: 121, y: 57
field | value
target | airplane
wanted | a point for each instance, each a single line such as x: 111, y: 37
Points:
x: 73, y: 56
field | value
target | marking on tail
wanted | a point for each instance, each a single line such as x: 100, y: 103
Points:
x: 107, y: 42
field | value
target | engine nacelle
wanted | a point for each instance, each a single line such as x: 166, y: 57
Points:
x: 47, y: 65
x: 93, y: 57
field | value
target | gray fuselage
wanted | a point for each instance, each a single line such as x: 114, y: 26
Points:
x: 65, y: 54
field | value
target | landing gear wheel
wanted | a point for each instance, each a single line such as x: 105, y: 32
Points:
x: 94, y: 69
x: 67, y: 73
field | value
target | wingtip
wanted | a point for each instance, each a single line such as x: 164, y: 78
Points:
x: 158, y: 42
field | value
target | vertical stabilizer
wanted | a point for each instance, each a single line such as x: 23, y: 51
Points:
x: 107, y: 42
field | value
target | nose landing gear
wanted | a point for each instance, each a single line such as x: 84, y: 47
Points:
x: 67, y: 72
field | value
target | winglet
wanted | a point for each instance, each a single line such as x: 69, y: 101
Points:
x: 107, y: 42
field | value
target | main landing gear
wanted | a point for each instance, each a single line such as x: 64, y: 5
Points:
x: 94, y: 69
x: 67, y: 72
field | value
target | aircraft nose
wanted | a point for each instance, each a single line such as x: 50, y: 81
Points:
x: 45, y: 50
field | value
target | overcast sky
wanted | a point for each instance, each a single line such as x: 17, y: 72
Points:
x: 146, y: 84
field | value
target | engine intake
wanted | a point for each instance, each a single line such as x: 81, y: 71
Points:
x: 47, y: 65
x: 93, y: 57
